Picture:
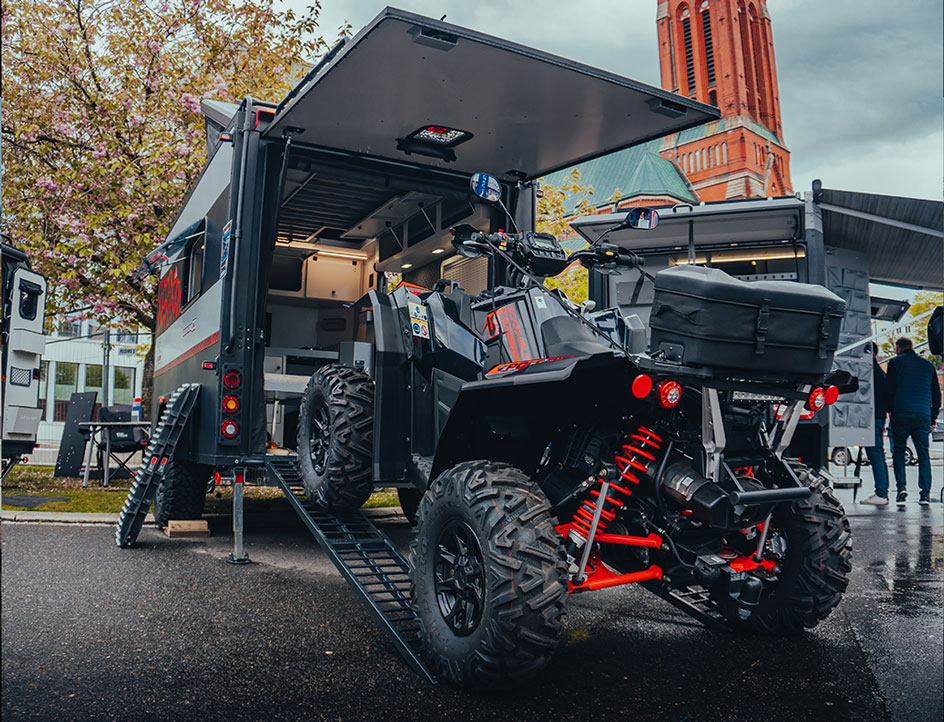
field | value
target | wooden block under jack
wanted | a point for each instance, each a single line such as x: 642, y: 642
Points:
x: 179, y: 529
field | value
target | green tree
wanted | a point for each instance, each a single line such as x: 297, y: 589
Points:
x: 557, y: 206
x: 102, y: 130
x: 918, y: 332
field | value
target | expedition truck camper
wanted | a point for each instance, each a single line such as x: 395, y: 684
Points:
x: 24, y: 304
x: 543, y: 449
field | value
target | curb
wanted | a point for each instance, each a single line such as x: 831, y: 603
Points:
x: 65, y: 517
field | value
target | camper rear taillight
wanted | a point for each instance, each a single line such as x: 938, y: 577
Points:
x: 230, y: 404
x: 232, y: 379
x: 229, y: 429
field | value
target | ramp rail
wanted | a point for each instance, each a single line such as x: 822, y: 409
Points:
x: 365, y: 557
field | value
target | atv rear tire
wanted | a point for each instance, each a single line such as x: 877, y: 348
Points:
x: 818, y: 561
x: 488, y: 576
x: 182, y: 492
x: 335, y: 437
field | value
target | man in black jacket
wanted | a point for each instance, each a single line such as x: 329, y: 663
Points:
x: 913, y: 398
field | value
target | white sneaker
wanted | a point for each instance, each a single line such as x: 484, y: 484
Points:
x: 875, y: 500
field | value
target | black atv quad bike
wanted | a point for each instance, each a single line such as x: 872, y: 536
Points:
x: 565, y: 455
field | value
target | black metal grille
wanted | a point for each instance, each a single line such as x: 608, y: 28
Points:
x: 20, y: 377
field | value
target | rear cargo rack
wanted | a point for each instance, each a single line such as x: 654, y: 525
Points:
x: 366, y: 558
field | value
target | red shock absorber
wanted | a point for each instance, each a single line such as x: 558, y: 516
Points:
x: 632, y: 460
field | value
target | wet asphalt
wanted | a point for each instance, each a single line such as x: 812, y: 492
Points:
x: 168, y: 630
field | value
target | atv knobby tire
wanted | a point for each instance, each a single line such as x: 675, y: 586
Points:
x: 182, y: 491
x: 521, y: 566
x: 335, y: 437
x: 818, y: 561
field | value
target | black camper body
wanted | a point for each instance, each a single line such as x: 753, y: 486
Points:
x: 276, y: 263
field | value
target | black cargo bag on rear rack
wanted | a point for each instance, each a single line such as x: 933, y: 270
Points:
x: 704, y: 317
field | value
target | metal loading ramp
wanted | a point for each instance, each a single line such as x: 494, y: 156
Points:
x: 366, y: 558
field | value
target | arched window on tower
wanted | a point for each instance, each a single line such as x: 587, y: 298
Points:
x: 683, y: 15
x: 709, y: 49
x: 724, y: 153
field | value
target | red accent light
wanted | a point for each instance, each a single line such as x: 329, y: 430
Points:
x: 817, y: 399
x: 670, y: 393
x: 232, y: 379
x: 216, y: 478
x: 239, y: 478
x: 229, y: 429
x: 832, y: 395
x: 208, y: 365
x: 642, y: 386
x: 230, y: 404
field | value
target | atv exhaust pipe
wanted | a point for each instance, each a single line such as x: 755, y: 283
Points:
x: 768, y: 496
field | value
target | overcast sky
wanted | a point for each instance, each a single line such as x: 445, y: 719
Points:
x: 860, y: 80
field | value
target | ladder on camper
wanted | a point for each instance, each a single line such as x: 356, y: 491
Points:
x: 695, y: 601
x: 366, y: 558
x: 154, y: 463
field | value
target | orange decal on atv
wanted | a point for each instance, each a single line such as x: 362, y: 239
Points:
x: 520, y: 365
x: 506, y: 319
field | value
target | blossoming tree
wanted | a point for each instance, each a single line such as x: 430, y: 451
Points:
x: 102, y: 131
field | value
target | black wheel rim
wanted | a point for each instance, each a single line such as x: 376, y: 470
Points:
x: 459, y: 577
x: 320, y: 437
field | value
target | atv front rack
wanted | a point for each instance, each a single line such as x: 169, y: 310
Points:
x: 366, y: 558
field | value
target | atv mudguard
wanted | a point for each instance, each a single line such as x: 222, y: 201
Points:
x: 514, y: 416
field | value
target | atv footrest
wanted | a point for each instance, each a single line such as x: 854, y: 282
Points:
x: 366, y: 558
x: 694, y: 601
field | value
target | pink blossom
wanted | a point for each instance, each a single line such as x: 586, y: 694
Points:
x: 190, y: 102
x: 136, y: 119
x: 154, y: 46
x: 48, y: 183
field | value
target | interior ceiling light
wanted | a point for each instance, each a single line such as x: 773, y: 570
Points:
x: 407, y: 265
x: 438, y: 250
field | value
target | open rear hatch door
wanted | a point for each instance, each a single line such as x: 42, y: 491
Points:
x: 410, y: 88
x: 712, y: 224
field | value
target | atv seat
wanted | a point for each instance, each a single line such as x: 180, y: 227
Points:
x: 566, y: 336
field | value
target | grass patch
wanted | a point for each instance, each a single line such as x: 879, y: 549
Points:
x: 39, y: 481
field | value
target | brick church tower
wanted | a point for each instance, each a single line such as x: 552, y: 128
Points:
x: 721, y: 52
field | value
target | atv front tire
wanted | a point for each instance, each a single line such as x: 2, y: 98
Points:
x: 488, y: 576
x: 335, y: 437
x: 182, y: 491
x: 815, y: 570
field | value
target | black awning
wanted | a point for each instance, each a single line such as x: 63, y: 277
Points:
x: 902, y: 237
x: 411, y: 88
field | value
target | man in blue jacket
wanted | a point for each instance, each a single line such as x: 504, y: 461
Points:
x: 876, y: 453
x: 913, y: 398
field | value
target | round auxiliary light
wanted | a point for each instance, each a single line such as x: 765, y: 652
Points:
x: 642, y: 386
x: 230, y: 404
x: 832, y: 394
x: 229, y: 429
x: 817, y: 399
x: 670, y: 393
x: 232, y: 379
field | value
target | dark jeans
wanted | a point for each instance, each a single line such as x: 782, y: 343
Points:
x: 918, y: 427
x: 876, y: 456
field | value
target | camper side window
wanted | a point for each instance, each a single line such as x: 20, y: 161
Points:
x: 195, y: 268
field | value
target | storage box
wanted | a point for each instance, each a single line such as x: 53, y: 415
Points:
x: 704, y: 317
